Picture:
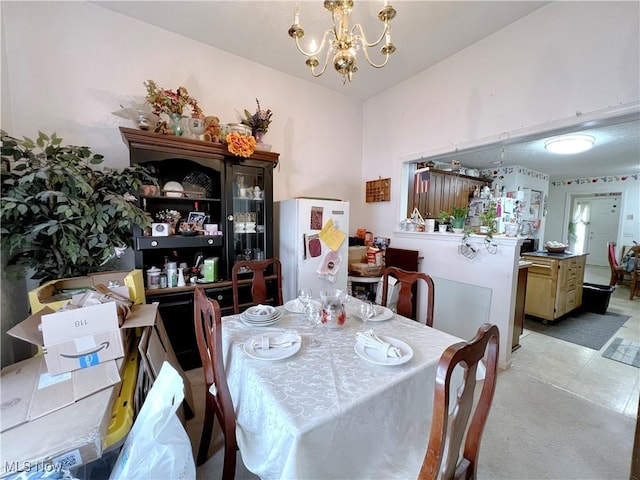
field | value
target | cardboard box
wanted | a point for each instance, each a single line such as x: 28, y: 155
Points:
x: 210, y: 269
x: 81, y: 338
x: 357, y: 255
x: 35, y: 393
x: 365, y: 269
x: 65, y: 438
x: 48, y: 295
x: 76, y: 434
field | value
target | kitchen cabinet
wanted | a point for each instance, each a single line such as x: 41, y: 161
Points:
x: 554, y: 284
x: 445, y: 191
x: 232, y: 192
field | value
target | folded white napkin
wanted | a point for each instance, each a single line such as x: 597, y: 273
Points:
x: 370, y: 340
x: 285, y: 340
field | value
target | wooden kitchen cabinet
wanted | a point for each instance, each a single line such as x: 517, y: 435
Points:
x: 554, y: 284
x: 445, y: 191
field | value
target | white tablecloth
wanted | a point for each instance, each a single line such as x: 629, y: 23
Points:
x: 327, y: 413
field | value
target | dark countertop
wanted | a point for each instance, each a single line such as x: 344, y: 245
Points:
x: 544, y: 253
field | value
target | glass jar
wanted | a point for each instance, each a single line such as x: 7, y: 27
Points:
x: 333, y: 311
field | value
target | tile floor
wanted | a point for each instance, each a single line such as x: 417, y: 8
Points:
x: 511, y: 447
x: 581, y: 370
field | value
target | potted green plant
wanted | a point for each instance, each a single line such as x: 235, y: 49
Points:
x: 458, y: 217
x: 60, y: 216
x: 444, y: 218
x: 488, y: 220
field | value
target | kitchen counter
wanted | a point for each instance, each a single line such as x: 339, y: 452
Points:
x: 544, y: 253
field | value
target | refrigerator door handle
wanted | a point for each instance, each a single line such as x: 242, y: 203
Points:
x: 304, y: 246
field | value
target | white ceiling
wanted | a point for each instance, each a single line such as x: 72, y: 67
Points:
x: 424, y: 32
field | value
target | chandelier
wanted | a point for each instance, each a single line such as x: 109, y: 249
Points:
x: 344, y: 41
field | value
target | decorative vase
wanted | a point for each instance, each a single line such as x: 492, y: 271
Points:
x: 176, y: 124
x: 259, y: 136
x: 260, y: 145
x: 333, y: 311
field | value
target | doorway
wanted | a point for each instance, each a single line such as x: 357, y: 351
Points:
x: 595, y: 220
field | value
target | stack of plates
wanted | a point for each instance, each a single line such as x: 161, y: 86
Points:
x: 261, y: 315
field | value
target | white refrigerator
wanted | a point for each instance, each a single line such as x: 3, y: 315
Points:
x: 312, y: 244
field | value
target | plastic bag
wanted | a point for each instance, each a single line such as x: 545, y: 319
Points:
x: 329, y: 267
x: 158, y: 445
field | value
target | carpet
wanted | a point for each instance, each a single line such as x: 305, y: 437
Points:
x: 624, y: 351
x: 588, y: 329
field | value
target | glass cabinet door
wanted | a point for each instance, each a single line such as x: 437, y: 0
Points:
x: 248, y: 213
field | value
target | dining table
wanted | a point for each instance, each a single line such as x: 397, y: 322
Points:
x: 335, y: 410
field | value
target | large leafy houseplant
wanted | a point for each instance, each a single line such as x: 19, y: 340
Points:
x: 62, y: 217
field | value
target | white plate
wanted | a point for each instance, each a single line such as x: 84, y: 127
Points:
x: 261, y: 322
x: 261, y: 311
x: 295, y: 306
x: 272, y: 353
x: 385, y: 314
x: 376, y: 356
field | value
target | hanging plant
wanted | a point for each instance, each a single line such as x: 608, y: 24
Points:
x: 60, y: 216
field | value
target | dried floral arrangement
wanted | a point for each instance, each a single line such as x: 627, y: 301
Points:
x: 259, y: 121
x: 168, y: 101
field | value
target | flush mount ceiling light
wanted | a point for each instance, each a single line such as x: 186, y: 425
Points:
x: 568, y: 144
x: 344, y: 41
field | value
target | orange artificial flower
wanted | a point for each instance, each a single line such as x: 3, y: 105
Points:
x: 241, y: 145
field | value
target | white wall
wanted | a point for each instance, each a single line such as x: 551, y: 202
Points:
x: 563, y: 58
x: 560, y: 196
x: 70, y: 64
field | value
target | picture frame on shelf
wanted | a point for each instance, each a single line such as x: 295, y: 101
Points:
x: 199, y: 218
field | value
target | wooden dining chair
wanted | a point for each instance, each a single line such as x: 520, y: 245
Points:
x: 260, y: 292
x: 218, y: 404
x: 448, y: 430
x: 618, y: 272
x: 408, y: 288
x: 634, y: 285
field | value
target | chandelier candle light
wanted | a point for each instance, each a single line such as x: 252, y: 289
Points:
x: 344, y: 41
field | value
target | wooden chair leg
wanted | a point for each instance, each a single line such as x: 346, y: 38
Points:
x: 207, y: 431
x: 229, y: 469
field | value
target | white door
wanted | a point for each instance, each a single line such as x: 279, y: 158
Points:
x: 601, y: 217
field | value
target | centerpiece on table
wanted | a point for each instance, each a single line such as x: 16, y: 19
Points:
x: 172, y: 104
x: 259, y: 123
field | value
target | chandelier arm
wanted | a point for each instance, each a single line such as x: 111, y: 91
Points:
x: 324, y: 67
x: 375, y: 65
x: 365, y: 45
x: 313, y: 54
x: 363, y: 37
